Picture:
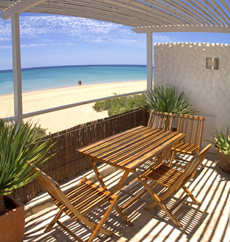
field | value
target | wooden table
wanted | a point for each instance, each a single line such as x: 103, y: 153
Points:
x: 128, y: 150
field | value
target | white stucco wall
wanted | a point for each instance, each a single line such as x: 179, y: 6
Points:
x: 184, y: 64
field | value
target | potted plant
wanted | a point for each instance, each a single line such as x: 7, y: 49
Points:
x: 17, y: 146
x: 167, y: 98
x: 222, y: 145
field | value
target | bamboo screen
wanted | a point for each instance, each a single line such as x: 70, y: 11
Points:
x: 67, y: 162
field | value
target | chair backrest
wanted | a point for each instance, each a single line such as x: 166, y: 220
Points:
x: 160, y: 120
x: 192, y: 166
x: 54, y: 190
x: 192, y: 126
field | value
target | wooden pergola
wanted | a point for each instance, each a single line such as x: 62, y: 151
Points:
x: 144, y: 16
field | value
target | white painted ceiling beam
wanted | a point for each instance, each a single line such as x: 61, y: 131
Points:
x: 221, y: 10
x: 90, y: 11
x: 159, y: 13
x: 171, y: 12
x: 197, y: 13
x: 18, y: 7
x: 165, y: 14
x: 216, y: 9
x: 149, y: 17
x: 208, y: 11
x: 226, y: 6
x: 101, y: 15
x: 207, y: 29
x: 207, y: 16
x: 144, y: 9
x: 183, y: 12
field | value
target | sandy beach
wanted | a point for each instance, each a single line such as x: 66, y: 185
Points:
x: 67, y: 118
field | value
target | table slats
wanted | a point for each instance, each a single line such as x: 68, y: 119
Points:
x: 130, y: 149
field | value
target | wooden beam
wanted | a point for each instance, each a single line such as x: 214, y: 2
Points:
x: 207, y: 29
x: 19, y: 7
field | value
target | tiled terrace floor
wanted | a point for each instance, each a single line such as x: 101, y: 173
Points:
x: 208, y: 222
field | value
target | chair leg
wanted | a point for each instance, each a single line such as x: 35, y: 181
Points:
x: 55, y: 219
x: 172, y: 217
x: 103, y: 220
x: 156, y: 198
x: 171, y: 159
x: 158, y: 201
x: 69, y: 231
x: 191, y: 196
x: 123, y: 216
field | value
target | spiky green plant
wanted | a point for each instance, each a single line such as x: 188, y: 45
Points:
x: 17, y: 146
x: 168, y: 99
x: 222, y: 141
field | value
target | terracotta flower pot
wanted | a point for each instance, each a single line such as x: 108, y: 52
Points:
x: 224, y: 161
x: 12, y: 223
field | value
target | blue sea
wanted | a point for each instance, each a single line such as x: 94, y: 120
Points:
x: 34, y: 79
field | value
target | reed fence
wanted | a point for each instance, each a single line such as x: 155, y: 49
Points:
x: 67, y: 162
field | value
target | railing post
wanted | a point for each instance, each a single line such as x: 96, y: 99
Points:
x: 16, y: 68
x: 149, y: 61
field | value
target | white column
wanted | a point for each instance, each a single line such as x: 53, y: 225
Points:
x: 16, y: 68
x: 149, y: 61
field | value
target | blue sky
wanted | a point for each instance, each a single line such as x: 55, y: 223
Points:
x: 52, y: 40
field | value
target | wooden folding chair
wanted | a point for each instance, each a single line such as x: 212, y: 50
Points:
x: 78, y: 202
x: 192, y: 126
x: 160, y: 120
x: 173, y: 180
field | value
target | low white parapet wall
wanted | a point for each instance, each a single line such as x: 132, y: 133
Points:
x: 184, y: 65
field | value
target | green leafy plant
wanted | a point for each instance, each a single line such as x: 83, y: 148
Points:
x: 222, y: 141
x: 39, y: 132
x: 168, y: 99
x: 17, y: 146
x: 102, y: 105
x: 120, y: 105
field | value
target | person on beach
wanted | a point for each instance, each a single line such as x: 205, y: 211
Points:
x: 79, y: 83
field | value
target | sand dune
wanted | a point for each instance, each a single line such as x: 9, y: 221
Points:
x: 60, y: 120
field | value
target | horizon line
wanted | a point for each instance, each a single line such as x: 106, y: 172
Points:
x: 44, y: 67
